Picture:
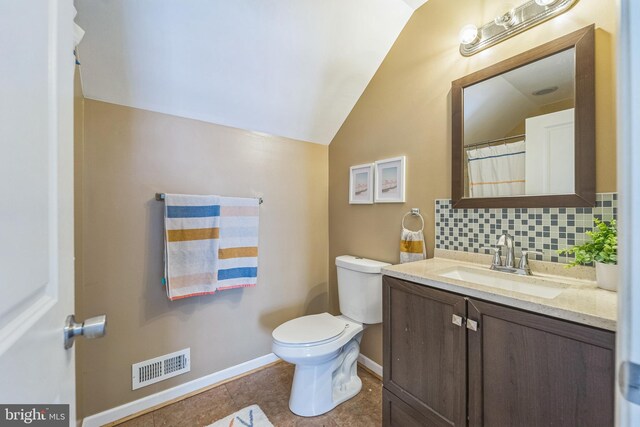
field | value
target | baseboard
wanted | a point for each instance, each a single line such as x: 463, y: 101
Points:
x: 370, y: 365
x: 160, y: 398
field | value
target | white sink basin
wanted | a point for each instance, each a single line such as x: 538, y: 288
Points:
x: 511, y: 282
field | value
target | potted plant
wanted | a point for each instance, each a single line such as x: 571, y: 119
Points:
x: 601, y: 250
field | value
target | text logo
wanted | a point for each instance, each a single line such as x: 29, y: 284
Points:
x: 34, y: 415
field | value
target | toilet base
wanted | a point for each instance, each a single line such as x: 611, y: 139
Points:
x: 317, y: 389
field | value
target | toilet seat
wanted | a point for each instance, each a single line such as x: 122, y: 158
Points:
x: 312, y: 330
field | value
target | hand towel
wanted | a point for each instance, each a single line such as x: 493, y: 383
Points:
x: 192, y: 230
x: 238, y: 247
x: 412, y: 247
x: 497, y: 171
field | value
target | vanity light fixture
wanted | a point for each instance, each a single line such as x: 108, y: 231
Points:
x: 468, y: 34
x: 513, y: 22
x: 506, y: 20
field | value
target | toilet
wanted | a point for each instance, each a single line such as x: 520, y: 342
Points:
x: 324, y: 347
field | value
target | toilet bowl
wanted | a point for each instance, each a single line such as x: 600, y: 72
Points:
x: 324, y: 347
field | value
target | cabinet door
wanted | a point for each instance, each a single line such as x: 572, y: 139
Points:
x: 424, y: 351
x: 531, y: 370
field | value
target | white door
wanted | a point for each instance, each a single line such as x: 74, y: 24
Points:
x: 628, y: 334
x: 549, y: 142
x: 36, y: 201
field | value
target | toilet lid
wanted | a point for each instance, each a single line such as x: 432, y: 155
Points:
x: 310, y: 329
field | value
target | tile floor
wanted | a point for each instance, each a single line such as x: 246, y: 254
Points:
x: 268, y: 388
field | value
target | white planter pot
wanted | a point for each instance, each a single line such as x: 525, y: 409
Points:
x: 607, y: 276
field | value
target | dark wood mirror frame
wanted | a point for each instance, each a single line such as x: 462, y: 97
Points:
x: 585, y: 180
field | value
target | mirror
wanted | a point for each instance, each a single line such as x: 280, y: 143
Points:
x: 523, y: 130
x: 518, y: 130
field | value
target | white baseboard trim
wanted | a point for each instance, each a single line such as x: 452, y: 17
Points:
x: 159, y: 398
x: 370, y: 364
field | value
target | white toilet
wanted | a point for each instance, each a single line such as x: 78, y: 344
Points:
x: 325, y: 348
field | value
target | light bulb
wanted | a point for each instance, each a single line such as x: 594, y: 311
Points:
x: 468, y: 34
x: 545, y: 2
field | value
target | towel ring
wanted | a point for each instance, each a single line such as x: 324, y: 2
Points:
x: 413, y: 212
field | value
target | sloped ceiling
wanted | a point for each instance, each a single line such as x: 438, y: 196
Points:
x: 494, y: 107
x: 292, y: 68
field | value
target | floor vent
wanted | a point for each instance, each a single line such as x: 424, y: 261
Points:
x: 160, y: 368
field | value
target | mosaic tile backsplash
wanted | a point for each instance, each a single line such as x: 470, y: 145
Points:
x: 543, y: 229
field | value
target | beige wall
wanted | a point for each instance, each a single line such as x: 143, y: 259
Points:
x: 406, y: 110
x: 128, y: 155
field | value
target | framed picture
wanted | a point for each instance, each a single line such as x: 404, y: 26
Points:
x: 361, y: 184
x: 390, y: 176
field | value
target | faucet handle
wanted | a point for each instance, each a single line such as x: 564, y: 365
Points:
x: 524, y: 259
x: 496, y: 254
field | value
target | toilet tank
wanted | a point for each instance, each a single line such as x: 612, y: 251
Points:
x: 360, y: 288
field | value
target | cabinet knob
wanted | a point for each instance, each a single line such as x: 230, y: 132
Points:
x: 472, y: 324
x: 457, y: 320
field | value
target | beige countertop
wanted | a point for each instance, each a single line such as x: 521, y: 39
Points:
x: 580, y: 301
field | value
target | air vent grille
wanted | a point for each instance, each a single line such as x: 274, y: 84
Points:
x: 173, y: 364
x: 150, y: 371
x: 160, y: 368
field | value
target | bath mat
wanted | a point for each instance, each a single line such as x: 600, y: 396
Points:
x: 251, y: 416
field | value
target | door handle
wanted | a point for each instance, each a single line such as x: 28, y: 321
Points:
x: 94, y: 327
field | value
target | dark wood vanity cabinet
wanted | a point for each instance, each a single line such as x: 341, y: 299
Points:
x: 516, y: 369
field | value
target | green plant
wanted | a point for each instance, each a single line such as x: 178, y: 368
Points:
x: 603, y: 246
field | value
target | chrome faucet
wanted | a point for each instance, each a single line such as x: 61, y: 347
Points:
x: 509, y: 265
x: 506, y: 240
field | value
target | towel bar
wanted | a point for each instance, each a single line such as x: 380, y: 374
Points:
x: 160, y: 198
x: 414, y: 212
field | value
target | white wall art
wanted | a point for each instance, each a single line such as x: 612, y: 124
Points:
x: 390, y: 180
x: 361, y: 184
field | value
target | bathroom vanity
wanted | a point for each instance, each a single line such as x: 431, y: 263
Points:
x: 459, y: 351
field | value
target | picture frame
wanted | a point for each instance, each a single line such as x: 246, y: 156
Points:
x: 361, y: 187
x: 390, y: 180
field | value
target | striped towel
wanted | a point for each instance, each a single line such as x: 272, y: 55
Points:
x: 192, y: 230
x: 412, y: 246
x: 238, y: 249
